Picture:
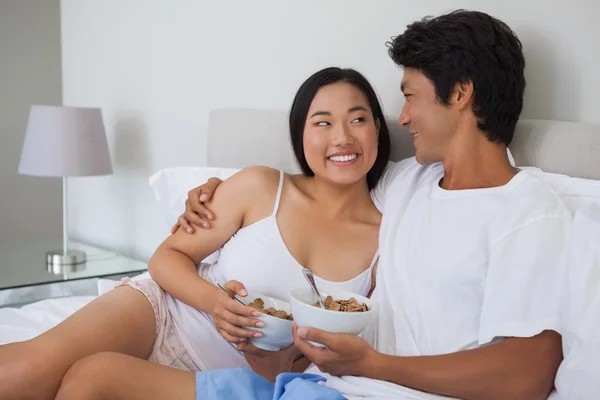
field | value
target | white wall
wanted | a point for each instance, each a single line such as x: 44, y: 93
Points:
x: 30, y: 73
x: 158, y: 67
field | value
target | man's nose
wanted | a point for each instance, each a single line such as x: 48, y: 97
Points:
x: 404, y: 119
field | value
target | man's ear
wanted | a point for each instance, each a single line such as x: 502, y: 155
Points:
x: 462, y: 94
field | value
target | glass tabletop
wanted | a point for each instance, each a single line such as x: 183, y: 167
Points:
x: 23, y: 263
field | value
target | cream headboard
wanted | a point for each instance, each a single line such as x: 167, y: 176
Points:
x: 239, y: 138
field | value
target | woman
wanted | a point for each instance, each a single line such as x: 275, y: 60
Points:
x: 270, y: 225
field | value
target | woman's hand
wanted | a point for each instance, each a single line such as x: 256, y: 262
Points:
x: 269, y: 364
x: 229, y: 315
x: 196, y: 212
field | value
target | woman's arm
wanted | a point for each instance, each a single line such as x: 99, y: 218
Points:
x: 173, y: 265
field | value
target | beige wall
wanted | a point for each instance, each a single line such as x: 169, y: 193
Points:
x: 30, y: 73
x: 157, y: 68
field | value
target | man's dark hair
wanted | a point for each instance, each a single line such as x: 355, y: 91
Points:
x: 304, y: 97
x: 469, y: 46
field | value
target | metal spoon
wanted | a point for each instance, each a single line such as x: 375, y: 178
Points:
x: 311, y: 281
x: 230, y: 294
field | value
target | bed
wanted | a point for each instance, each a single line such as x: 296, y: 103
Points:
x: 259, y: 137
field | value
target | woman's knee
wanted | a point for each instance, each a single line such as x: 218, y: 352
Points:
x: 25, y: 371
x: 89, y: 378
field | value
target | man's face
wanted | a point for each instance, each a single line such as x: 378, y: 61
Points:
x: 431, y: 124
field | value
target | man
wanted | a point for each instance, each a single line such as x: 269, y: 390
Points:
x: 467, y: 284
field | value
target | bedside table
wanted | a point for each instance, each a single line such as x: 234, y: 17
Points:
x: 25, y: 278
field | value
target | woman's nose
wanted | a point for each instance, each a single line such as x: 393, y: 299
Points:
x: 342, y: 136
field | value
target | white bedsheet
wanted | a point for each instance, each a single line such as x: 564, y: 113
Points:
x: 18, y: 324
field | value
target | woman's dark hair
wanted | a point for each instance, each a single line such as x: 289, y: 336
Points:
x: 469, y: 46
x: 303, y: 100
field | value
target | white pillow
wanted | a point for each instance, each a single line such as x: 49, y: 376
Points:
x: 578, y: 377
x: 171, y: 187
x: 510, y: 157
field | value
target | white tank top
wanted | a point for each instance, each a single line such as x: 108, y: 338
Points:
x: 257, y: 256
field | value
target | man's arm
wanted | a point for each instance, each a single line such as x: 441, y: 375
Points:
x: 517, y: 368
x: 197, y: 214
x: 514, y: 369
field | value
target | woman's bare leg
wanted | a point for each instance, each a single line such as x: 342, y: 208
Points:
x: 121, y: 320
x: 116, y: 376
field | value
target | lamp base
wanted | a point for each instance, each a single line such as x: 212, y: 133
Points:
x: 57, y: 262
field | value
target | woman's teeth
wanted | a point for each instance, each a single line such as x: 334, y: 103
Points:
x: 347, y: 158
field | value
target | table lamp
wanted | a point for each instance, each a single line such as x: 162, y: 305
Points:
x: 64, y: 142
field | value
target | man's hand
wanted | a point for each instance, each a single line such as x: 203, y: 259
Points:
x: 269, y: 364
x: 195, y: 211
x: 343, y: 355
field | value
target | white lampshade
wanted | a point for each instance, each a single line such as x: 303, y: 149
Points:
x: 65, y: 141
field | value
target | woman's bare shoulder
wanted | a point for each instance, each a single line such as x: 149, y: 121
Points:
x: 260, y: 176
x: 255, y: 183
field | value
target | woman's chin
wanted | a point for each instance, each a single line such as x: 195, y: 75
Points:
x: 347, y: 179
x: 343, y: 176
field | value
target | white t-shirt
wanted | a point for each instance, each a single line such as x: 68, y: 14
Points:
x: 459, y: 269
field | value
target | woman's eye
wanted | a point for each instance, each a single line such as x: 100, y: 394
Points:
x: 359, y: 119
x: 322, y: 123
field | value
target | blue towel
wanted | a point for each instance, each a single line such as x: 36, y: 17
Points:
x: 243, y: 384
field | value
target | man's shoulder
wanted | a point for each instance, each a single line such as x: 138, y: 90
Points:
x: 534, y: 196
x: 410, y: 170
x: 533, y: 201
x: 402, y: 177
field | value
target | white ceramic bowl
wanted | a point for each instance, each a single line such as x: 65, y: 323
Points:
x: 277, y: 333
x: 306, y: 314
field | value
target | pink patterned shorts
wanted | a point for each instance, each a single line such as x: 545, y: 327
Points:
x: 168, y: 349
